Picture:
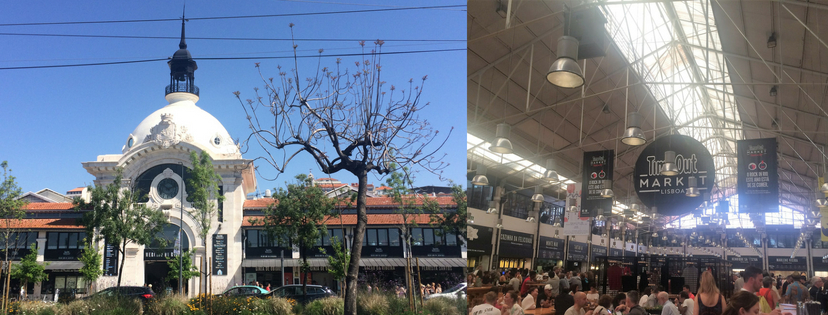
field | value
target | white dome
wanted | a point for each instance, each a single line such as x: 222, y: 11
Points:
x: 182, y: 121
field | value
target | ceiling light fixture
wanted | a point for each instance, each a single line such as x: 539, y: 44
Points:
x: 502, y: 144
x: 824, y: 187
x: 530, y: 219
x: 565, y: 71
x: 669, y: 167
x: 538, y: 196
x: 773, y: 91
x: 692, y: 190
x: 605, y: 109
x: 492, y: 207
x: 772, y: 40
x: 550, y: 174
x: 607, y: 191
x: 633, y: 135
x: 480, y: 178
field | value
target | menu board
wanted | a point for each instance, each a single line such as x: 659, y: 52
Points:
x: 577, y: 251
x: 219, y: 254
x: 110, y: 264
x: 758, y: 179
x: 550, y: 248
x: 598, y: 251
x: 516, y: 244
x: 598, y: 167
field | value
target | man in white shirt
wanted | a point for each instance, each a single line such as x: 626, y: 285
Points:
x: 686, y: 306
x: 487, y: 308
x: 515, y: 282
x: 668, y: 308
x: 580, y: 303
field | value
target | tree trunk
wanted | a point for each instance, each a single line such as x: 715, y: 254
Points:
x: 304, y: 271
x: 356, y: 247
x: 123, y: 258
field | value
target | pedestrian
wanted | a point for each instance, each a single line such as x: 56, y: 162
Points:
x: 742, y: 303
x: 439, y: 289
x: 709, y: 301
x: 796, y: 290
x: 488, y: 306
x: 510, y: 306
x: 268, y: 287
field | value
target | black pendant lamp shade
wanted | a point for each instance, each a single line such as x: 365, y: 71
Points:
x: 633, y: 135
x: 182, y: 69
x: 565, y: 71
x: 502, y: 143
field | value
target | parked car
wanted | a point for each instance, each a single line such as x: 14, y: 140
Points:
x: 245, y: 290
x: 294, y: 291
x: 145, y: 294
x: 456, y: 293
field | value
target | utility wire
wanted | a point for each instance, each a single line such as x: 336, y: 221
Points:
x: 232, y: 38
x: 227, y: 58
x: 233, y: 17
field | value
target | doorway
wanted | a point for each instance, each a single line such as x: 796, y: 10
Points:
x: 155, y: 273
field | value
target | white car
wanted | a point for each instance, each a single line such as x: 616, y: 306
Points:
x: 455, y: 293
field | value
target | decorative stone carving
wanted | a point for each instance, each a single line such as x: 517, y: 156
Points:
x: 166, y: 133
x: 168, y: 173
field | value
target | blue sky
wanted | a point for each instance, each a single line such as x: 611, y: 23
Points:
x: 55, y: 119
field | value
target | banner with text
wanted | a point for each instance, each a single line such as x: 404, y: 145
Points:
x: 758, y: 179
x: 516, y: 244
x: 598, y: 167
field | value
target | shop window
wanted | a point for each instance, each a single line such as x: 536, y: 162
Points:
x: 19, y: 240
x: 382, y: 237
x: 479, y: 196
x: 65, y: 240
x: 372, y: 237
x: 394, y: 237
x: 417, y: 237
x: 260, y: 238
x: 428, y: 235
x: 451, y: 239
x: 512, y: 263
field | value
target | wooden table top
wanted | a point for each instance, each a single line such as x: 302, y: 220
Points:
x: 540, y: 311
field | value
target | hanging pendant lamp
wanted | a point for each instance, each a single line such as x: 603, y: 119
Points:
x: 502, y: 144
x: 824, y: 187
x: 669, y: 167
x: 492, y: 207
x: 633, y: 135
x: 692, y: 190
x: 550, y: 174
x: 480, y: 179
x: 820, y: 200
x: 607, y: 191
x: 538, y: 196
x: 565, y: 71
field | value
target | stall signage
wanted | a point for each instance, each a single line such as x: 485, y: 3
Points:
x: 61, y: 254
x: 110, y: 263
x: 598, y: 166
x: 516, y: 244
x: 786, y: 263
x: 480, y: 240
x: 219, y: 254
x: 758, y: 178
x: 598, y: 250
x: 744, y: 261
x: 668, y: 192
x: 550, y: 248
x: 615, y: 252
x: 577, y: 251
x: 629, y: 253
x: 820, y: 264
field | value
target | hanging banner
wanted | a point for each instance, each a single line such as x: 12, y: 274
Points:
x: 668, y: 192
x: 550, y: 248
x: 598, y: 167
x: 824, y: 223
x: 219, y: 254
x: 574, y: 224
x: 758, y: 179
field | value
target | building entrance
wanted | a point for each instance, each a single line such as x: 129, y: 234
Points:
x: 155, y: 273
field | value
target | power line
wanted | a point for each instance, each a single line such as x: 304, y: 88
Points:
x: 233, y: 17
x: 227, y: 58
x: 232, y: 38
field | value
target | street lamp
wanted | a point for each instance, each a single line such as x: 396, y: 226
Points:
x: 180, y: 224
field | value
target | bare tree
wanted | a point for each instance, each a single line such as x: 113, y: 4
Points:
x: 346, y: 121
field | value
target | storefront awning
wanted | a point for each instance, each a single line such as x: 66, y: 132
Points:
x: 442, y: 262
x: 382, y: 262
x: 64, y: 265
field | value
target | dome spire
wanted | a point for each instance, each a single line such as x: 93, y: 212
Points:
x: 183, y: 43
x: 182, y: 67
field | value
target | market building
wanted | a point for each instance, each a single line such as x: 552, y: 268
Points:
x: 155, y: 160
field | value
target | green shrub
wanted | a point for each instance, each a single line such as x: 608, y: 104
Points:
x: 442, y: 305
x: 397, y: 305
x: 372, y: 304
x: 32, y: 308
x: 275, y: 306
x: 102, y: 305
x: 326, y: 306
x: 174, y: 304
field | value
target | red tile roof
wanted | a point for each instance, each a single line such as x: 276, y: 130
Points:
x: 330, y: 185
x: 44, y: 224
x: 48, y: 206
x: 382, y: 188
x: 378, y: 202
x: 351, y: 219
x: 327, y: 179
x: 76, y: 189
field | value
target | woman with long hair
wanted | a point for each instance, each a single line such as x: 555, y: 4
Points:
x: 743, y: 303
x: 709, y: 301
x: 510, y: 306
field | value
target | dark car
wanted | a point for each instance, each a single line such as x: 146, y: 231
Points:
x: 145, y: 294
x: 294, y: 291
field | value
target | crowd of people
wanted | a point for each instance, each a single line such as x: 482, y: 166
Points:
x: 570, y: 293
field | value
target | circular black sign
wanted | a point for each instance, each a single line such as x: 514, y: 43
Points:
x: 668, y: 192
